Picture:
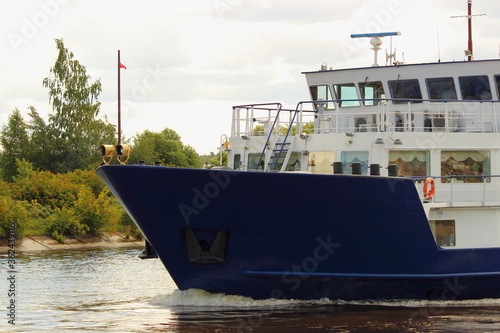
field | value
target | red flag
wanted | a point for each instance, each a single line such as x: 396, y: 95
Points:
x: 122, y: 66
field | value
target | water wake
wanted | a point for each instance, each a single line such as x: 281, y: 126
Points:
x: 202, y: 298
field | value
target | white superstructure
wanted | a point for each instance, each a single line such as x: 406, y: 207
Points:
x: 437, y: 120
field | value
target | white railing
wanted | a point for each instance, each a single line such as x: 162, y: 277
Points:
x: 381, y: 115
x: 457, y: 190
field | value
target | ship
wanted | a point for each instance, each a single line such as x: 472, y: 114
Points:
x: 384, y: 185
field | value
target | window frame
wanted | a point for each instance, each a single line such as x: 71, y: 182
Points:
x: 396, y: 84
x: 440, y: 80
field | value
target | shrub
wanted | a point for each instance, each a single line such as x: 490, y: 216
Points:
x: 12, y: 212
x: 64, y: 222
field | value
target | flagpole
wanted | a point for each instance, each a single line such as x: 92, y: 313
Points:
x: 119, y: 103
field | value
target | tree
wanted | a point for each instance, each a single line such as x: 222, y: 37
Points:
x: 41, y: 141
x: 165, y: 147
x: 15, y: 142
x: 75, y: 131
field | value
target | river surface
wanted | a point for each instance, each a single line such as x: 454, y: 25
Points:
x: 112, y: 290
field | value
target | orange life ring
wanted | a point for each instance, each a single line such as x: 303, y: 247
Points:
x: 429, y: 191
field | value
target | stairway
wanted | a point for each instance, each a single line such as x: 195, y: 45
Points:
x: 280, y: 155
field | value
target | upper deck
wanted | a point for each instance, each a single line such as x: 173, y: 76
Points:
x: 445, y: 97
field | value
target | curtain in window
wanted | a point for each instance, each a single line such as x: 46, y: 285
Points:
x: 354, y: 156
x: 477, y: 156
x: 408, y: 156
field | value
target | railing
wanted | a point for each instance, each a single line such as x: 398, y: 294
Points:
x: 453, y: 190
x: 374, y: 115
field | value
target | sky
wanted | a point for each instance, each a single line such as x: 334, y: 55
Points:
x: 189, y: 62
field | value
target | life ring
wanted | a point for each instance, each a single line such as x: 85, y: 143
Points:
x: 429, y: 191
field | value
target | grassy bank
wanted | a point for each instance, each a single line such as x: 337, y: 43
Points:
x: 75, y: 204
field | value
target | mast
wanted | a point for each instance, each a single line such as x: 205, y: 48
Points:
x: 469, y: 16
x: 469, y: 24
x: 119, y: 103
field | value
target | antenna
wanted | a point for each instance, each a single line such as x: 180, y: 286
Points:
x: 439, y: 50
x: 468, y: 52
x: 375, y: 41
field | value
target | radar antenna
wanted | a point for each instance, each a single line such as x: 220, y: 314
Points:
x: 376, y: 42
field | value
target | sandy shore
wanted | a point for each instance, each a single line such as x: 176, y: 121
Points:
x: 43, y: 243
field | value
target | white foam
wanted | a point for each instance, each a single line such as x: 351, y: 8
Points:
x: 202, y: 298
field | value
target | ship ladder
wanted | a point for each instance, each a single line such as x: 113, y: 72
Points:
x: 280, y: 155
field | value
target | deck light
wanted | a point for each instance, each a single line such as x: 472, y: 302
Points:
x: 107, y: 153
x: 123, y: 153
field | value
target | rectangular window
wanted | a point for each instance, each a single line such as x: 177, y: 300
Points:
x: 475, y: 87
x: 253, y: 162
x: 444, y: 232
x: 322, y: 93
x: 293, y: 162
x: 441, y: 88
x: 465, y: 163
x: 350, y: 157
x: 497, y: 83
x: 406, y: 90
x: 347, y: 94
x: 371, y: 92
x: 320, y: 162
x: 410, y: 163
x: 237, y: 161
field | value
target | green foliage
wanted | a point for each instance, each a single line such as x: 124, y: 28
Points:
x: 12, y: 211
x: 215, y: 159
x: 71, y: 137
x: 308, y: 128
x: 65, y: 222
x: 74, y: 130
x: 75, y: 204
x: 15, y: 142
x: 165, y: 147
x: 93, y: 212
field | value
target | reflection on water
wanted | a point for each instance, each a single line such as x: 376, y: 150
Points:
x: 114, y: 291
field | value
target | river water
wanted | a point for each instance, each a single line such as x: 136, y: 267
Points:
x: 112, y: 290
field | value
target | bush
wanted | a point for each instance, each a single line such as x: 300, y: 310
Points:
x: 64, y: 222
x: 12, y: 212
x: 92, y: 212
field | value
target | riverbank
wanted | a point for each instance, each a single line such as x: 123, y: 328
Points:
x: 45, y: 243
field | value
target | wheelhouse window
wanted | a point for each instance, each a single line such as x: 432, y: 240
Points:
x: 371, y: 92
x: 475, y: 87
x: 322, y: 93
x: 444, y: 232
x: 406, y: 91
x: 497, y: 83
x: 410, y: 163
x: 441, y: 88
x: 350, y: 157
x: 475, y: 163
x: 347, y: 94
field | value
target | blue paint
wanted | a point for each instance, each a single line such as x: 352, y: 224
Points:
x: 311, y: 236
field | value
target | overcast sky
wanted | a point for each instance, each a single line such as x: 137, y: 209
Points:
x: 189, y: 62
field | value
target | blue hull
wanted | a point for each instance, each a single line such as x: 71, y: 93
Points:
x: 301, y: 236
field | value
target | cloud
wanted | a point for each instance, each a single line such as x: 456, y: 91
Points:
x: 190, y: 61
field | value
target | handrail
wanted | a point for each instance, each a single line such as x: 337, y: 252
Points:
x: 388, y: 115
x: 451, y: 188
x: 278, y: 107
